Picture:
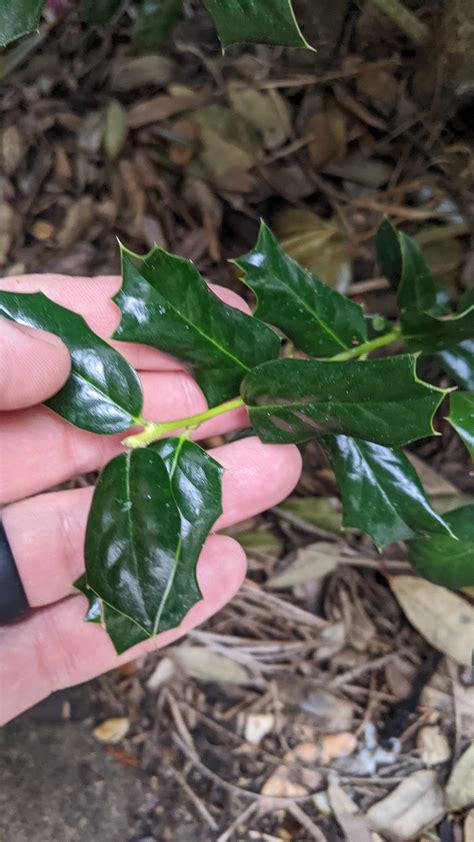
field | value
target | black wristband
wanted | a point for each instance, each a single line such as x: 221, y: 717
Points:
x: 13, y: 601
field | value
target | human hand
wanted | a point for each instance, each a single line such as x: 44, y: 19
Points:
x: 52, y: 648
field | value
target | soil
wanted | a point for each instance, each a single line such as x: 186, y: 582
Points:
x: 325, y: 693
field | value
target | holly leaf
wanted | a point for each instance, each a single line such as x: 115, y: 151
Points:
x: 429, y: 333
x: 402, y: 262
x: 123, y: 632
x: 318, y: 319
x: 442, y: 559
x: 165, y: 303
x: 381, y: 491
x: 196, y: 482
x: 377, y: 400
x: 133, y: 537
x: 195, y: 489
x: 18, y: 18
x: 458, y: 362
x: 461, y: 417
x: 103, y: 393
x: 256, y: 22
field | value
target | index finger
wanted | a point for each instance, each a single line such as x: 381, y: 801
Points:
x: 92, y: 299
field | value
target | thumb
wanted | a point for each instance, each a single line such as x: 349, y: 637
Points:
x: 34, y: 365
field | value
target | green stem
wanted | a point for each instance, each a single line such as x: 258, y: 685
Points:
x: 367, y: 347
x: 152, y: 431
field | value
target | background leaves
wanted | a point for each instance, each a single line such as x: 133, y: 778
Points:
x: 165, y: 303
x: 442, y: 559
x: 378, y: 400
x: 461, y: 416
x: 319, y: 320
x: 103, y: 393
x: 381, y: 491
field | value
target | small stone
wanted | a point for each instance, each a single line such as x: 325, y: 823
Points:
x: 257, y: 726
x: 433, y: 745
x: 112, y: 730
x: 42, y: 230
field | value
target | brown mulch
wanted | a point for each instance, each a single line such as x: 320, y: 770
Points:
x: 327, y: 684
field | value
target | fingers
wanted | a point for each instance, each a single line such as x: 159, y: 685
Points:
x: 54, y: 648
x: 34, y: 365
x: 40, y: 449
x: 46, y: 533
x: 92, y: 299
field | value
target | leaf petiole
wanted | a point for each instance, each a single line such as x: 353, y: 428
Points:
x: 153, y: 431
x: 367, y: 347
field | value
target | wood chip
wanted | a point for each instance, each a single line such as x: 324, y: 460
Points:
x: 160, y: 108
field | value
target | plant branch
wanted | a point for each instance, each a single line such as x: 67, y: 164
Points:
x: 153, y: 431
x: 367, y: 347
x: 406, y: 20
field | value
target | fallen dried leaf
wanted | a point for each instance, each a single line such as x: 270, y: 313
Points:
x: 311, y: 562
x: 433, y: 745
x: 12, y: 150
x: 227, y: 141
x: 378, y: 85
x: 160, y: 108
x: 258, y: 726
x: 445, y: 619
x: 8, y: 226
x: 131, y: 73
x: 324, y: 512
x: 182, y: 153
x: 460, y: 786
x: 205, y: 665
x: 415, y: 805
x: 330, y: 713
x: 115, y: 130
x: 266, y: 111
x: 318, y: 245
x: 79, y: 217
x: 112, y: 730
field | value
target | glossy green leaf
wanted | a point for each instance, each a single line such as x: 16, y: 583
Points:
x: 98, y: 12
x: 444, y: 560
x: 429, y: 333
x: 319, y: 320
x: 381, y: 491
x: 133, y: 537
x: 155, y: 22
x: 461, y: 416
x: 401, y: 260
x: 165, y: 303
x: 196, y: 490
x: 124, y: 633
x: 103, y: 393
x: 17, y: 18
x: 196, y: 481
x: 377, y: 400
x: 458, y: 362
x: 256, y: 22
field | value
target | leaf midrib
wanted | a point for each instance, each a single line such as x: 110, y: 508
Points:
x: 291, y: 406
x: 177, y: 556
x: 188, y: 321
x: 80, y: 376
